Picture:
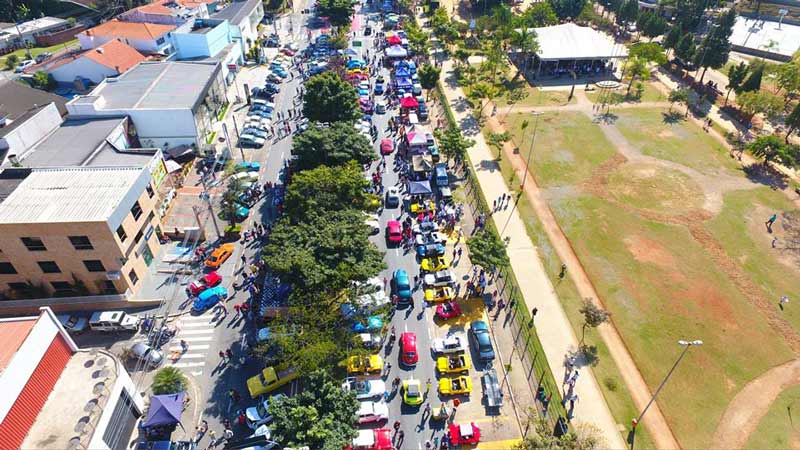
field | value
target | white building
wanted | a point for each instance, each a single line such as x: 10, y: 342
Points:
x: 244, y: 17
x: 145, y: 37
x: 94, y: 65
x: 170, y: 103
x: 166, y: 12
x: 10, y: 36
x: 56, y: 395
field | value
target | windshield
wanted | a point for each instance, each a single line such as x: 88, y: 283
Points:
x: 262, y: 412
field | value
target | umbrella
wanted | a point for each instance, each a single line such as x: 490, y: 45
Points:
x: 419, y: 187
x: 394, y: 40
x: 396, y: 51
x: 409, y: 102
x: 351, y: 52
x: 374, y: 322
x: 402, y: 72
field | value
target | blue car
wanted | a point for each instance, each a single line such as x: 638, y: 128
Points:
x: 280, y: 72
x: 427, y: 250
x: 379, y: 89
x: 248, y: 166
x: 481, y: 341
x: 209, y: 298
x: 401, y: 285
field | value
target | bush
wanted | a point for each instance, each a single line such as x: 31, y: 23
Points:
x: 233, y: 231
x: 169, y: 380
x: 12, y: 61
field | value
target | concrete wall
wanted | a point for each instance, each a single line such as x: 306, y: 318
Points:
x: 50, y: 39
x: 83, y: 68
x: 36, y: 127
x: 193, y: 45
x: 135, y: 15
x: 123, y: 383
x: 143, y: 45
x: 157, y: 128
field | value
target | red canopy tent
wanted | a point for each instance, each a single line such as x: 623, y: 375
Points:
x: 394, y: 40
x: 409, y: 102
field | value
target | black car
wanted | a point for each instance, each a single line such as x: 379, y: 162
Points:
x: 258, y: 92
x: 423, y: 112
x: 367, y: 31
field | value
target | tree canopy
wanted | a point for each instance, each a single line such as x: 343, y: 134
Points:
x: 452, y: 143
x: 320, y: 256
x: 567, y: 8
x: 335, y: 145
x: 759, y: 102
x: 487, y: 250
x: 539, y: 14
x: 685, y: 48
x: 793, y: 121
x: 328, y: 98
x: 771, y: 148
x: 753, y: 81
x: 339, y: 12
x: 628, y: 12
x: 788, y: 77
x: 429, y: 76
x: 169, y: 380
x: 716, y: 46
x: 325, y: 189
x: 321, y: 416
x: 736, y: 76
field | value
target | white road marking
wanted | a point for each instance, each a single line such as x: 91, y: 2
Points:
x: 191, y: 332
x: 194, y: 347
x: 197, y: 373
x: 199, y: 339
x: 195, y: 324
x: 191, y: 364
x: 192, y: 356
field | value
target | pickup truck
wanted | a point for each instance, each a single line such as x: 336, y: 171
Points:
x: 492, y: 392
x: 269, y: 379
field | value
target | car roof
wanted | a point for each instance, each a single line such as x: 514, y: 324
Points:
x: 409, y: 338
x: 479, y: 325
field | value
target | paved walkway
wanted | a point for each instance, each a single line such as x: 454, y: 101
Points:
x: 554, y: 329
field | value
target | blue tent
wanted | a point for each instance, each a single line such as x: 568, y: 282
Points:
x: 402, y: 72
x: 403, y: 83
x: 164, y: 410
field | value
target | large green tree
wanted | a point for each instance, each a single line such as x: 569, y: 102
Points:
x: 753, y: 81
x: 328, y: 98
x: 671, y: 39
x: 319, y: 257
x: 429, y: 76
x: 452, y: 143
x: 323, y: 189
x: 759, y: 102
x: 689, y: 13
x: 788, y: 77
x: 339, y: 12
x: 334, y: 145
x: 736, y: 76
x: 793, y: 121
x: 487, y: 250
x: 567, y: 8
x: 771, y: 148
x: 716, y: 46
x: 320, y: 417
x: 628, y: 12
x: 539, y: 14
x: 418, y: 39
x: 685, y: 48
x: 651, y: 24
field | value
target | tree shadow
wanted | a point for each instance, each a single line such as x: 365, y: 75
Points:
x: 763, y: 174
x: 607, y: 118
x: 672, y: 117
x: 584, y: 356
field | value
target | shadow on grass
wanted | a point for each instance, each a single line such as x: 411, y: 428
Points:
x: 672, y: 117
x: 762, y: 174
x: 607, y: 118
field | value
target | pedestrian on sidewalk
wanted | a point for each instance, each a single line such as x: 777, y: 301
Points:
x: 563, y: 272
x: 222, y: 356
x: 770, y: 222
x: 784, y: 300
x: 229, y: 354
x: 228, y: 434
x: 234, y: 395
x: 237, y: 309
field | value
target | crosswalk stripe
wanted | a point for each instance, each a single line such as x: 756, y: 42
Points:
x: 197, y: 373
x: 194, y: 347
x: 198, y: 338
x: 192, y: 356
x: 195, y: 318
x: 191, y: 364
x: 195, y: 325
x: 191, y: 332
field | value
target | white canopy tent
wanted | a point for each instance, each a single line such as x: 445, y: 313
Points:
x: 568, y: 47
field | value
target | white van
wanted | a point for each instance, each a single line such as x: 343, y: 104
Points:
x: 114, y: 321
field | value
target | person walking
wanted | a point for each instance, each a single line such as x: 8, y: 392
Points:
x: 222, y: 356
x: 770, y: 222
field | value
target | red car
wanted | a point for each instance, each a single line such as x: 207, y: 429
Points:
x: 211, y: 279
x: 464, y: 434
x: 393, y: 232
x: 408, y: 349
x: 448, y: 310
x: 380, y: 439
x: 287, y: 51
x: 387, y: 146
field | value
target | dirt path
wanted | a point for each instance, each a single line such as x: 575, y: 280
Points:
x: 751, y: 404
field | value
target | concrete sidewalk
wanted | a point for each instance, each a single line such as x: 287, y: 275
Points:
x: 555, y: 331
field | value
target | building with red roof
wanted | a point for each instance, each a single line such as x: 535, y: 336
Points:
x: 147, y: 38
x: 94, y: 65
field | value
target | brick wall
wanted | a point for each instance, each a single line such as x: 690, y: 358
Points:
x: 46, y: 40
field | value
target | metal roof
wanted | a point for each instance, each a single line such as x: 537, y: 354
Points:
x: 236, y: 11
x: 80, y: 194
x: 157, y: 85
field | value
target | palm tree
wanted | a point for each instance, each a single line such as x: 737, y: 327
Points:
x: 169, y: 380
x: 524, y: 41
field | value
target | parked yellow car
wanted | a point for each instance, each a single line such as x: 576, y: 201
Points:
x: 434, y: 264
x: 439, y: 294
x: 364, y: 364
x: 412, y: 392
x: 269, y: 380
x: 453, y: 363
x: 455, y: 386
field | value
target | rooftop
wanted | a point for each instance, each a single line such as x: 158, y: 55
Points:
x: 156, y: 85
x: 236, y: 11
x: 570, y: 41
x: 13, y: 333
x: 76, y: 402
x: 84, y: 143
x: 766, y: 36
x: 19, y: 101
x: 130, y: 30
x: 36, y: 24
x: 62, y: 195
x: 113, y: 54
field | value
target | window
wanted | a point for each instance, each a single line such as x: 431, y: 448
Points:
x: 49, y: 266
x: 139, y: 236
x: 81, y: 242
x: 94, y: 265
x: 132, y: 275
x: 121, y: 233
x: 34, y: 244
x: 107, y: 287
x: 6, y: 268
x: 62, y: 288
x: 21, y: 287
x: 136, y: 210
x: 160, y: 41
x: 150, y: 192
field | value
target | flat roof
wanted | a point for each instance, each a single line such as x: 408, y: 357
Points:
x: 155, y: 85
x: 19, y: 101
x: 71, y: 143
x: 12, y: 334
x: 570, y: 41
x: 36, y: 24
x: 75, y: 194
x: 75, y: 404
x: 766, y: 36
x: 236, y: 11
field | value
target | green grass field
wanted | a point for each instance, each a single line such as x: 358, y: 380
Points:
x: 649, y: 94
x: 659, y: 282
x: 779, y: 427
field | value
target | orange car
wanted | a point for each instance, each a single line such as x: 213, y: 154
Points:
x: 218, y: 256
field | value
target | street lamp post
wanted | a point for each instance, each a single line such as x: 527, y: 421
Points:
x: 530, y: 150
x: 686, y: 345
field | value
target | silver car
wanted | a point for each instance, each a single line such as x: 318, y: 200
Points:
x: 147, y: 354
